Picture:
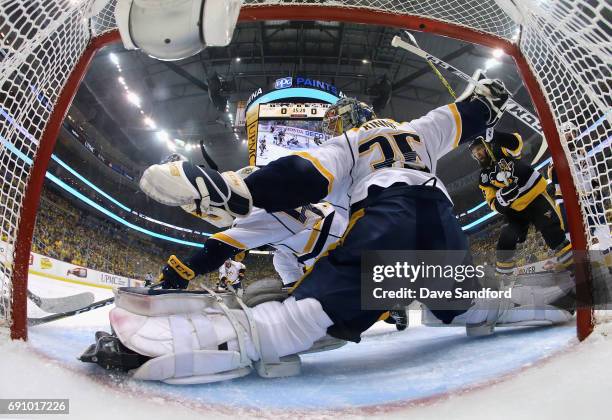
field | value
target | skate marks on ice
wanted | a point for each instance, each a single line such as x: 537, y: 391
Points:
x: 387, y: 369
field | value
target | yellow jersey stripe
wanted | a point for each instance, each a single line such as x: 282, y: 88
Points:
x: 555, y: 207
x: 354, y: 218
x: 526, y: 199
x: 564, y: 250
x: 384, y: 316
x: 316, y: 230
x: 328, y: 175
x: 457, y: 118
x: 223, y: 237
x: 505, y: 264
x: 516, y: 152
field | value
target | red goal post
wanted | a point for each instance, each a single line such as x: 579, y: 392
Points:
x: 47, y: 46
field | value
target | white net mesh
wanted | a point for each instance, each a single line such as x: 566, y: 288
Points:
x: 40, y: 43
x: 569, y: 50
x: 567, y: 45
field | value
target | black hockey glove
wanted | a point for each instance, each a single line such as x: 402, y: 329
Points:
x: 176, y: 274
x: 505, y: 196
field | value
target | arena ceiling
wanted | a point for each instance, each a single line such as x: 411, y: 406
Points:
x: 353, y: 57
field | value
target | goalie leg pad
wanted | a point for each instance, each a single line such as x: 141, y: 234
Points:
x: 485, y: 314
x: 186, y: 348
x: 216, y: 343
x: 155, y: 302
x: 264, y: 290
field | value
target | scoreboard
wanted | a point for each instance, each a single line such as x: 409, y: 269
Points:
x: 278, y: 129
x: 281, y: 111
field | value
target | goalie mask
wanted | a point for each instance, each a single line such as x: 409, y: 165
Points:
x: 345, y: 114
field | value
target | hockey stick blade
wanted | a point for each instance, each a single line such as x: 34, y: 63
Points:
x: 513, y: 108
x: 55, y: 317
x: 62, y: 304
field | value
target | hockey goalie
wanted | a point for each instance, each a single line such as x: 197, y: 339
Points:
x: 387, y: 170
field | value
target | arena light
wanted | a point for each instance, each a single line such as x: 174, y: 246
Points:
x: 150, y: 123
x: 238, y: 59
x: 364, y: 61
x: 113, y: 57
x: 133, y: 98
x: 498, y: 53
x: 491, y: 62
x: 10, y: 147
x: 171, y: 145
x: 121, y: 80
x: 163, y: 136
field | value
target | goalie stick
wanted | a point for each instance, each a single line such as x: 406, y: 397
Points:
x: 62, y: 304
x: 76, y: 311
x: 513, y: 107
x: 432, y: 65
x: 55, y: 317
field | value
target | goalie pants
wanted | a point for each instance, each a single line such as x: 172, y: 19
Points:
x: 400, y: 217
x: 544, y: 214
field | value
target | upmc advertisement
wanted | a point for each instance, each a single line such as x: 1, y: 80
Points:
x: 41, y: 265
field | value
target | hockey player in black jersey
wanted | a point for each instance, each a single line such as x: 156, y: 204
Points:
x: 516, y: 190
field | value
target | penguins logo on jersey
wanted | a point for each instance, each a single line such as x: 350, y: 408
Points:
x: 503, y: 174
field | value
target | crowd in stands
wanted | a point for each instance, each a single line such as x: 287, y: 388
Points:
x: 66, y: 233
x: 483, y: 244
x: 136, y: 219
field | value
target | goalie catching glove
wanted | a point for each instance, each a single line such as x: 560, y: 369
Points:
x: 216, y: 197
x: 490, y: 92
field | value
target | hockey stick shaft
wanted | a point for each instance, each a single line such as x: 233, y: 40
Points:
x: 513, y: 108
x: 433, y: 67
x: 442, y: 79
x: 55, y: 317
x: 61, y: 304
x: 66, y: 314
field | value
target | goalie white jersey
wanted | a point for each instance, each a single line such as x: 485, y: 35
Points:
x: 382, y: 152
x: 301, y: 234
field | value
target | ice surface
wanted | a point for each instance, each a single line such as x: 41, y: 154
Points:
x: 420, y: 372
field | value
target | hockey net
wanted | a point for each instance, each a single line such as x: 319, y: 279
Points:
x: 562, y: 49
